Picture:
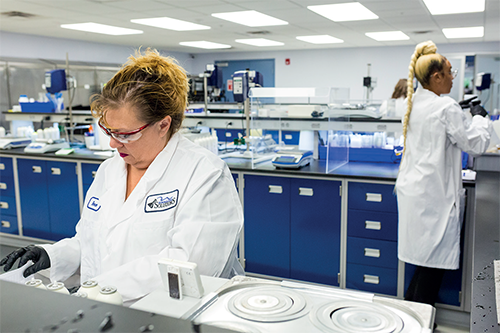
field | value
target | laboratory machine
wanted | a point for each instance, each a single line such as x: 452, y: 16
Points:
x: 41, y: 146
x: 246, y: 304
x: 292, y: 159
x: 14, y: 142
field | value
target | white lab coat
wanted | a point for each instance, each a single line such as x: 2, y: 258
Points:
x: 185, y: 207
x: 429, y: 184
x: 399, y: 108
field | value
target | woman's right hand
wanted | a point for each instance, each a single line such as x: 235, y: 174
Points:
x: 36, y: 254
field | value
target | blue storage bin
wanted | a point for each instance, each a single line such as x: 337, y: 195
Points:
x: 38, y: 107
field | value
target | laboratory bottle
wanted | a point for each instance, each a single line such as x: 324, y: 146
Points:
x: 58, y: 287
x: 80, y: 293
x: 37, y: 283
x: 109, y: 294
x: 91, y: 288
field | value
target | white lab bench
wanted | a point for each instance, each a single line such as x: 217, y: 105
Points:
x: 159, y: 301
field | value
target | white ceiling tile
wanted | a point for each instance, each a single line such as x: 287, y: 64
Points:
x: 409, y: 16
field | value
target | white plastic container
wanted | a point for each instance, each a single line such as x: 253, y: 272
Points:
x: 91, y: 288
x: 109, y: 294
x: 36, y: 283
x: 58, y: 287
x: 80, y: 294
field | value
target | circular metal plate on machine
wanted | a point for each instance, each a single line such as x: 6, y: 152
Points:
x: 355, y: 317
x: 268, y: 304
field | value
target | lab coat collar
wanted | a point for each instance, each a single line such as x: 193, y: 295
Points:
x: 154, y: 173
x: 422, y: 91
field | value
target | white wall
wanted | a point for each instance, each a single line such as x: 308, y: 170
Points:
x: 13, y: 45
x: 343, y: 67
x: 336, y: 67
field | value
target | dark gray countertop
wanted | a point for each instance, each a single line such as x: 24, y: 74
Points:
x: 486, y: 246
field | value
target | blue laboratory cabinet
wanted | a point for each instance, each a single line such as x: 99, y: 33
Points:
x: 88, y: 174
x: 8, y: 210
x: 49, y: 198
x: 292, y: 228
x: 372, y: 227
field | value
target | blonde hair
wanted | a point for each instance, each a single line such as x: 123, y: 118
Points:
x: 155, y: 85
x: 423, y: 64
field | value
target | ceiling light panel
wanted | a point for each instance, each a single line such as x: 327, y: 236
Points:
x: 205, y: 45
x: 343, y: 12
x: 259, y: 42
x: 320, y: 39
x: 387, y: 35
x: 250, y: 18
x: 101, y: 29
x: 171, y: 24
x: 471, y: 32
x: 443, y: 7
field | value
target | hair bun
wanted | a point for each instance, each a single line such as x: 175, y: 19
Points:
x: 424, y: 48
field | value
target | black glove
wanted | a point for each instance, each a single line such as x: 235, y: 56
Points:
x: 478, y: 110
x: 466, y: 103
x: 34, y: 253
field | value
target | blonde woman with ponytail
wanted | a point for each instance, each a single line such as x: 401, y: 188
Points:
x: 429, y: 184
x: 159, y: 196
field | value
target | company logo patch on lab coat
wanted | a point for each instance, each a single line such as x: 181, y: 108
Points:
x: 94, y: 204
x: 161, y: 202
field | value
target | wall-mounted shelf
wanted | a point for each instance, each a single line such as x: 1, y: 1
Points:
x: 294, y: 124
x: 81, y: 117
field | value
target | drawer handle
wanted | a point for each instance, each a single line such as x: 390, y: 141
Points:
x: 373, y: 225
x: 275, y: 189
x: 3, y: 186
x: 371, y: 279
x: 288, y: 137
x: 36, y: 169
x: 4, y: 205
x: 2, y: 166
x: 55, y: 171
x: 374, y: 197
x: 93, y: 174
x: 228, y: 134
x: 5, y: 224
x: 374, y: 253
x: 306, y: 191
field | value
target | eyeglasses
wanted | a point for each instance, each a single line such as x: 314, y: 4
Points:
x: 123, y: 137
x: 454, y: 73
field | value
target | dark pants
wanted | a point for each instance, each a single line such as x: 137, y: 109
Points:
x: 424, y: 285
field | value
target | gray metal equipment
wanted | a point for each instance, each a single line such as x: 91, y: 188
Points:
x: 28, y: 309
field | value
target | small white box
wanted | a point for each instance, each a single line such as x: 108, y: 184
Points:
x: 302, y: 111
x: 189, y: 276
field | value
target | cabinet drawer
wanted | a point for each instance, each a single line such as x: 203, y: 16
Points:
x: 373, y: 279
x: 8, y: 206
x: 6, y: 169
x: 374, y: 197
x: 88, y: 172
x: 372, y: 252
x: 9, y: 224
x: 375, y: 225
x: 7, y: 186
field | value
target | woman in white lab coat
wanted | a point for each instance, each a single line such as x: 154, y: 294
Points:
x: 395, y: 107
x: 429, y: 184
x: 160, y: 196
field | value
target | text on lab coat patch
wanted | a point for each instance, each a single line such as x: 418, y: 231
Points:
x: 161, y: 202
x: 94, y: 204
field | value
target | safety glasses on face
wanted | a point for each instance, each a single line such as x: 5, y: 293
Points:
x: 454, y: 72
x: 123, y: 137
